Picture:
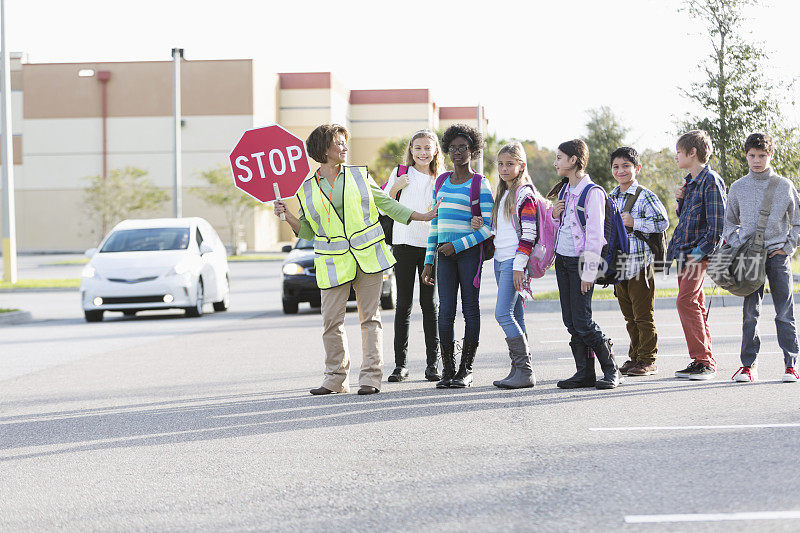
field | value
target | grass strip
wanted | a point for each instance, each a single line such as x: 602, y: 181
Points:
x: 45, y: 283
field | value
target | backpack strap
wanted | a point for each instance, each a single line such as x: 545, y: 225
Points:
x: 580, y: 209
x: 475, y: 195
x: 631, y: 201
x: 440, y: 181
x: 763, y: 214
x: 401, y: 170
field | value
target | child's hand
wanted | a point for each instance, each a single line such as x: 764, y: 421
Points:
x: 679, y: 192
x: 401, y: 182
x: 558, y: 208
x: 476, y: 223
x: 519, y: 279
x: 586, y: 286
x: 627, y: 219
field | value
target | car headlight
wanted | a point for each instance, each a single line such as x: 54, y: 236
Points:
x: 89, y: 272
x: 292, y: 269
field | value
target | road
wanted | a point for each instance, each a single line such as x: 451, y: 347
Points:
x: 168, y: 423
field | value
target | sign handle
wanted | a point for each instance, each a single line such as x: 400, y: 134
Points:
x: 278, y: 197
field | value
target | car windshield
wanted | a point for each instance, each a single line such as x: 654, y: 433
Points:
x: 303, y: 244
x: 147, y: 240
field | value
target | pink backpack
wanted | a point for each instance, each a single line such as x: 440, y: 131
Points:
x: 543, y: 253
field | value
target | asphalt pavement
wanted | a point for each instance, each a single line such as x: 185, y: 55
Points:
x: 165, y: 423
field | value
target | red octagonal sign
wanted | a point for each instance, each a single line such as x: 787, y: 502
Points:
x: 269, y: 163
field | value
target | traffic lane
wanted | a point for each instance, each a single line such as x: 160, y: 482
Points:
x: 215, y: 419
x: 59, y: 333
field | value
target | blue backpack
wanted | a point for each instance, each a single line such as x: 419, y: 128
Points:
x: 615, y: 251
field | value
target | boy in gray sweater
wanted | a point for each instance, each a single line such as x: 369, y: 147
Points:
x: 780, y: 239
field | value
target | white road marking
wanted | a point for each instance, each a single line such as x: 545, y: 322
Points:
x: 711, y: 517
x: 671, y: 428
x: 684, y: 355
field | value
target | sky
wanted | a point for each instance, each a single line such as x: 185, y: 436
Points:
x: 536, y: 66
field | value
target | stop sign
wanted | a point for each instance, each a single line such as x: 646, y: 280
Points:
x: 265, y: 157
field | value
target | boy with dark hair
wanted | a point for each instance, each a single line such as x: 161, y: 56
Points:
x: 701, y: 216
x: 780, y: 242
x: 642, y: 212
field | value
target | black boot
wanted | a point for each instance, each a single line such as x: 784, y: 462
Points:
x: 605, y: 356
x: 448, y: 366
x: 431, y: 372
x: 463, y: 377
x: 585, y: 375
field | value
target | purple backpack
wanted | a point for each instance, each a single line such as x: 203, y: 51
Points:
x: 543, y: 253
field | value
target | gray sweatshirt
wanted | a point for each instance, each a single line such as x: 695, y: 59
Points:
x: 744, y: 203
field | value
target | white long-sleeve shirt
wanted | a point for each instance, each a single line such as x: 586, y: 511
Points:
x: 416, y: 196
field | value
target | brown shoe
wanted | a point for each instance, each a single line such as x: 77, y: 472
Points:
x: 366, y: 389
x: 627, y: 365
x: 319, y: 391
x: 643, y: 369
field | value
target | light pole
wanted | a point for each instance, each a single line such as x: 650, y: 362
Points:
x: 7, y: 158
x: 479, y: 115
x: 177, y: 57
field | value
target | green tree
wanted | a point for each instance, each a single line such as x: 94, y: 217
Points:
x: 391, y: 154
x: 661, y: 175
x: 125, y: 192
x: 540, y: 166
x: 734, y: 95
x: 604, y: 134
x: 220, y: 191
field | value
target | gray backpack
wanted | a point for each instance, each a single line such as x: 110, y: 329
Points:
x: 741, y: 269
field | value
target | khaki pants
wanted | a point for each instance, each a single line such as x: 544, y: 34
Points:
x: 636, y: 299
x: 337, y: 356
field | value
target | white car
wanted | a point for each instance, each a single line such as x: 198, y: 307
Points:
x: 170, y: 263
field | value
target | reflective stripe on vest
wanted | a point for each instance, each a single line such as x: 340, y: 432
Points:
x: 363, y: 188
x: 361, y: 241
x: 326, y: 247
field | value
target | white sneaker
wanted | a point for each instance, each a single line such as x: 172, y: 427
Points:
x: 790, y: 376
x: 745, y: 374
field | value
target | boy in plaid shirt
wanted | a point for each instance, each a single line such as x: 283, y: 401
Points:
x: 701, y: 212
x: 637, y: 291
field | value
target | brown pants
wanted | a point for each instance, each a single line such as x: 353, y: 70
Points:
x: 337, y: 355
x: 636, y: 299
x: 692, y: 312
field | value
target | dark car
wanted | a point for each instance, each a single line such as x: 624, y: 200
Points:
x: 300, y: 282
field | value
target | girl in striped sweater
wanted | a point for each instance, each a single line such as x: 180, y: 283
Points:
x: 456, y: 249
x: 514, y: 227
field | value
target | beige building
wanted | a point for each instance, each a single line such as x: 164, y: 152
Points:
x: 71, y: 120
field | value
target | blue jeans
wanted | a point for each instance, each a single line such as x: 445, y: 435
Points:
x: 454, y: 272
x: 779, y: 275
x: 576, y: 308
x: 508, y: 310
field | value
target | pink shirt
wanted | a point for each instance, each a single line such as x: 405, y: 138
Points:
x: 589, y: 244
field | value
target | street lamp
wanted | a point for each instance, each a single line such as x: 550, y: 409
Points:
x: 7, y: 158
x: 177, y: 57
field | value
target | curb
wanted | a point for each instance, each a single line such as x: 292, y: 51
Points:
x: 554, y: 306
x: 15, y: 317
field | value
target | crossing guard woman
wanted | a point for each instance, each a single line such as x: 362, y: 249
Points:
x: 339, y: 213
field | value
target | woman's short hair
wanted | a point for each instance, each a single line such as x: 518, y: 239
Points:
x: 321, y: 139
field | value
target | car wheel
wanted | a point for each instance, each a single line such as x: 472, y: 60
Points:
x: 93, y: 316
x: 223, y: 304
x: 387, y: 301
x: 129, y: 313
x: 289, y: 306
x: 316, y: 303
x: 197, y: 310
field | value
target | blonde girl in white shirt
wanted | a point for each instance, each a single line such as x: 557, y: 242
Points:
x: 425, y: 163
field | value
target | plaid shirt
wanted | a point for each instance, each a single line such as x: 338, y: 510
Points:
x: 701, y: 217
x: 649, y: 216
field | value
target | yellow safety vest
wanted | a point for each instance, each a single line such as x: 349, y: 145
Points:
x: 343, y: 246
